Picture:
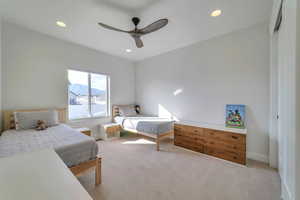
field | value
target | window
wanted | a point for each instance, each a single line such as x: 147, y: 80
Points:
x: 88, y: 94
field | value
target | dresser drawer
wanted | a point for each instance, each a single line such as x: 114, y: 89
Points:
x: 190, y: 146
x: 225, y: 136
x: 195, y: 130
x: 213, y: 134
x: 178, y: 133
x: 178, y: 128
x: 233, y: 146
x: 225, y: 145
x: 223, y: 154
x: 234, y: 138
x: 225, y: 151
x: 184, y: 138
x: 189, y: 129
x: 190, y: 137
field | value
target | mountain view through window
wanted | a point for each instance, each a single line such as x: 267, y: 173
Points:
x: 87, y: 94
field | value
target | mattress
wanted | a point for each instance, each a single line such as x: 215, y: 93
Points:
x: 72, y: 146
x: 146, y: 124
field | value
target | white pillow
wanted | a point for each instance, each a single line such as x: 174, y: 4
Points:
x: 28, y: 120
x: 127, y: 110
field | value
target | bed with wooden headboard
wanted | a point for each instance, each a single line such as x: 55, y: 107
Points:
x: 9, y: 121
x: 142, y: 124
x: 77, y: 169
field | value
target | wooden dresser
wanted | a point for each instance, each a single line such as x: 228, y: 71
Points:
x: 224, y: 144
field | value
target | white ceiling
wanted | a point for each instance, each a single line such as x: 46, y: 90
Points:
x: 190, y: 21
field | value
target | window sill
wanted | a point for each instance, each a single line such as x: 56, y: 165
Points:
x: 89, y: 118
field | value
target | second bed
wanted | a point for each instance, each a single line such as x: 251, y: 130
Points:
x: 153, y: 127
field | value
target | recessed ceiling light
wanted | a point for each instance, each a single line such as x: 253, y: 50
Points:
x: 216, y: 13
x: 128, y: 50
x: 61, y: 24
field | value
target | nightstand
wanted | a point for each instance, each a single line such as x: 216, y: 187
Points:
x: 85, y: 131
x: 112, y: 130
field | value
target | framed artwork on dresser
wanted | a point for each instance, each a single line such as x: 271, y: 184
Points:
x: 235, y: 116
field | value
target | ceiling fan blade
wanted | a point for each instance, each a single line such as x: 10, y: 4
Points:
x: 138, y: 42
x: 112, y: 28
x: 154, y: 26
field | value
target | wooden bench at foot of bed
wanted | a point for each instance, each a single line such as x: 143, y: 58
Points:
x: 85, y: 166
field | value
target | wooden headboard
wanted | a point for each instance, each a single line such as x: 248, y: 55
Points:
x: 116, y: 111
x: 9, y: 122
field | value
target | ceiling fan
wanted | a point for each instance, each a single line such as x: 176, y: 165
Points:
x: 137, y: 33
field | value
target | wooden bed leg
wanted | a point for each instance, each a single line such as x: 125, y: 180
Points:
x: 98, y: 171
x: 157, y: 143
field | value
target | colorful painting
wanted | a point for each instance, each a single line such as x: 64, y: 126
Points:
x: 235, y: 116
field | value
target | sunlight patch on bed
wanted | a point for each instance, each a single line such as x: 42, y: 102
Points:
x: 139, y: 141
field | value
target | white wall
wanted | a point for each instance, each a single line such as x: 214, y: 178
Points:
x: 287, y: 86
x: 231, y: 69
x: 297, y: 154
x: 0, y: 73
x: 35, y: 70
x: 273, y: 139
x: 288, y: 134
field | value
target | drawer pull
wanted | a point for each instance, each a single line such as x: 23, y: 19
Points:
x: 235, y: 137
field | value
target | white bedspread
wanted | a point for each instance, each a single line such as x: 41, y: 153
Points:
x: 146, y: 124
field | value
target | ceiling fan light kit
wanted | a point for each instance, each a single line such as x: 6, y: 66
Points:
x: 137, y: 33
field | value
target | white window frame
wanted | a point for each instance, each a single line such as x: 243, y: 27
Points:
x: 89, y: 95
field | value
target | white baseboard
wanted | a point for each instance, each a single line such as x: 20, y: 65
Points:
x: 286, y: 193
x: 258, y: 157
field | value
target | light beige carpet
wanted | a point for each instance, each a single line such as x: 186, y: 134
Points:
x: 134, y: 170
